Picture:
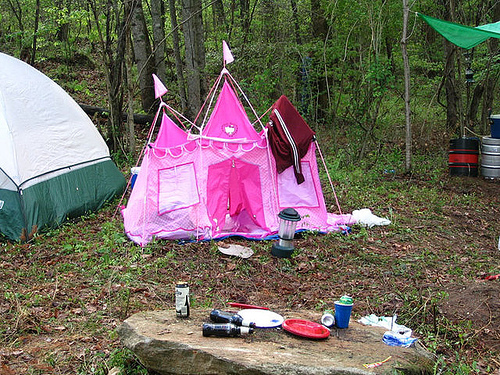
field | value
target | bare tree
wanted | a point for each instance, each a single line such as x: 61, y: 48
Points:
x: 113, y: 53
x: 129, y: 88
x: 143, y: 55
x: 35, y: 32
x: 177, y: 55
x: 492, y: 76
x: 318, y: 20
x: 219, y: 15
x: 450, y: 84
x: 17, y: 10
x: 157, y: 14
x: 195, y: 54
x: 406, y: 63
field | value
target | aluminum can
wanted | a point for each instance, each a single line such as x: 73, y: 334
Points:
x: 328, y: 319
x: 182, y: 299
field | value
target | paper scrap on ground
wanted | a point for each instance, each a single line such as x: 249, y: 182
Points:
x: 387, y: 322
x: 397, y: 339
x: 236, y: 250
x: 365, y: 217
x: 376, y: 364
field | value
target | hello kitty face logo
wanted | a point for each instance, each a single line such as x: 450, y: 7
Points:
x: 229, y: 129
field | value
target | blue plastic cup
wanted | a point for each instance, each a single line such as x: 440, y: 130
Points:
x: 342, y: 314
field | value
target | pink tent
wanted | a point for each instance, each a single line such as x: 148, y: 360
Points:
x: 221, y: 181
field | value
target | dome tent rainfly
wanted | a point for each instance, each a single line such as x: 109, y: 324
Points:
x: 54, y: 164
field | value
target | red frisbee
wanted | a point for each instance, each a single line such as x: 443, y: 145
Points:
x: 245, y: 306
x: 306, y: 328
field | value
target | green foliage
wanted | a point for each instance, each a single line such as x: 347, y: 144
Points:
x: 122, y: 359
x: 346, y: 82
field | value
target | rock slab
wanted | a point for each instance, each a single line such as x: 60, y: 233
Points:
x: 170, y: 345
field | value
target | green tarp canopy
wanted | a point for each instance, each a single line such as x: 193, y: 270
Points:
x: 461, y: 35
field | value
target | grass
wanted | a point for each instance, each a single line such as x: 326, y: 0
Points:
x: 65, y: 292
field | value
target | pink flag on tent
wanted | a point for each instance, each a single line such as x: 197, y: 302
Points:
x: 169, y: 135
x: 228, y: 56
x: 160, y: 88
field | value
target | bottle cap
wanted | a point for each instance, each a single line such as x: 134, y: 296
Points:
x: 246, y: 330
x: 248, y: 323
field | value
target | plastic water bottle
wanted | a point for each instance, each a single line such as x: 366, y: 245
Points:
x: 498, y: 243
x: 219, y: 316
x: 225, y: 330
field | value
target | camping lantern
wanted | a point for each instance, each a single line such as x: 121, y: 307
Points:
x: 469, y: 75
x: 288, y: 222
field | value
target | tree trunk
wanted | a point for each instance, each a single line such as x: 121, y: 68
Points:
x: 406, y: 63
x: 143, y: 56
x: 138, y: 118
x: 490, y: 84
x: 157, y: 12
x: 450, y: 85
x: 18, y: 13
x: 113, y: 55
x: 453, y: 100
x: 319, y: 25
x: 35, y: 32
x: 491, y: 79
x: 246, y: 32
x: 129, y: 87
x: 219, y: 15
x: 62, y: 32
x: 231, y: 23
x: 181, y: 82
x: 195, y: 54
x: 296, y: 25
x: 474, y: 104
x: 244, y: 14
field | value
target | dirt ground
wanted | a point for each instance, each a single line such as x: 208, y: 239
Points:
x: 69, y: 329
x: 480, y: 303
x: 476, y: 303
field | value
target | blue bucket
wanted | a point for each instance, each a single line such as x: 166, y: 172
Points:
x: 495, y: 126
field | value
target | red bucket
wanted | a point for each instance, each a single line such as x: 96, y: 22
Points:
x: 464, y: 157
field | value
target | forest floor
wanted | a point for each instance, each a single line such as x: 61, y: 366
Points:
x: 64, y: 293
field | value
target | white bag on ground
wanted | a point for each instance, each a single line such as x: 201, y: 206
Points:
x: 365, y: 217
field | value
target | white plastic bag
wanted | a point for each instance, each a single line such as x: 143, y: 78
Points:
x: 365, y: 217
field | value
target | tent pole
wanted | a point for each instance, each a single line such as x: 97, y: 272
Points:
x: 150, y: 135
x: 329, y: 178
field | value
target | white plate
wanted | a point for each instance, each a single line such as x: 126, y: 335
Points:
x: 262, y: 318
x: 236, y: 250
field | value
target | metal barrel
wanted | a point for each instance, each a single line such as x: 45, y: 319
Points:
x: 490, y: 158
x: 463, y: 157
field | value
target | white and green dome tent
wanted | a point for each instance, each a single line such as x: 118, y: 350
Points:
x: 54, y: 164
